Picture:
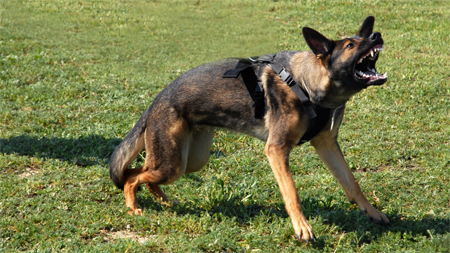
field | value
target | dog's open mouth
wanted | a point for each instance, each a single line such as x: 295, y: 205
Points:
x: 365, y: 67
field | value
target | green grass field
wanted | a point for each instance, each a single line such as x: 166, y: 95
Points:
x: 76, y: 75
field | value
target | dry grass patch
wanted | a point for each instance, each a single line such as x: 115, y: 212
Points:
x: 29, y: 172
x: 111, y: 236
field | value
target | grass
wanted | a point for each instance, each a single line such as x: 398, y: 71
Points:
x: 76, y: 75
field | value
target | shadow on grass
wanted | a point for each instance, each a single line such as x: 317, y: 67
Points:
x: 84, y: 151
x: 345, y: 219
x: 366, y: 231
x: 96, y: 150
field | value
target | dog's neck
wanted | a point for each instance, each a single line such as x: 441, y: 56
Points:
x: 312, y: 75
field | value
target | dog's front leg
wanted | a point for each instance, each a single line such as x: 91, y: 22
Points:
x: 278, y: 157
x: 331, y: 154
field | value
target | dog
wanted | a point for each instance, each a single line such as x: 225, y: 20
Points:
x: 177, y: 129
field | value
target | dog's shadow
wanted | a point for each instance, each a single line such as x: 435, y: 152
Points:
x: 96, y: 150
x: 346, y: 220
x: 404, y: 228
x: 83, y: 151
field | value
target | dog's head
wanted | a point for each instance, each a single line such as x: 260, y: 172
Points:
x: 350, y: 62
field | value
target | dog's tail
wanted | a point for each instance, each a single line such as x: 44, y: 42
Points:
x: 127, y: 151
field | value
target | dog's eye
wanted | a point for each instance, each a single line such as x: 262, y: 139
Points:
x: 350, y: 45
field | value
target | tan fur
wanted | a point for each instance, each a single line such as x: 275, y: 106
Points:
x: 350, y: 52
x: 328, y: 150
x: 177, y: 129
x: 311, y: 72
x: 284, y: 133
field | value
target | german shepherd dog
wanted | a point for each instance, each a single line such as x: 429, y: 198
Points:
x: 177, y: 129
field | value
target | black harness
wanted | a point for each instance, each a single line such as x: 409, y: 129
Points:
x: 318, y: 115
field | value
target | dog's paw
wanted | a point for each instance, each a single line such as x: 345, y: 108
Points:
x: 305, y: 233
x: 136, y: 211
x: 378, y: 217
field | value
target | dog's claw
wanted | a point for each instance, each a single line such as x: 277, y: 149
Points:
x: 308, y: 241
x: 312, y: 239
x: 306, y: 236
x: 382, y: 221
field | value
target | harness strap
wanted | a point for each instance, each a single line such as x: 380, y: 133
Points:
x: 287, y: 78
x: 317, y: 115
x: 241, y: 66
x: 317, y: 124
x: 254, y: 85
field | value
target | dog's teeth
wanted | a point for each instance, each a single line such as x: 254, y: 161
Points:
x: 371, y: 53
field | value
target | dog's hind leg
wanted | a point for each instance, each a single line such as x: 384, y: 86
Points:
x: 130, y: 188
x: 136, y: 177
x: 198, y: 155
x: 330, y: 153
x: 167, y: 149
x: 157, y: 192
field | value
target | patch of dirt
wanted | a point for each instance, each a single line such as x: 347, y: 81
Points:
x: 29, y: 172
x: 110, y: 236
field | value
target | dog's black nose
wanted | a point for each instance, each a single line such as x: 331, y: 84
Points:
x: 375, y: 35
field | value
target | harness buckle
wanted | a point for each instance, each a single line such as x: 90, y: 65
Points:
x: 286, y: 77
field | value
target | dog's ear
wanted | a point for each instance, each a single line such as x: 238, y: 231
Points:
x: 318, y: 43
x: 366, y: 28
